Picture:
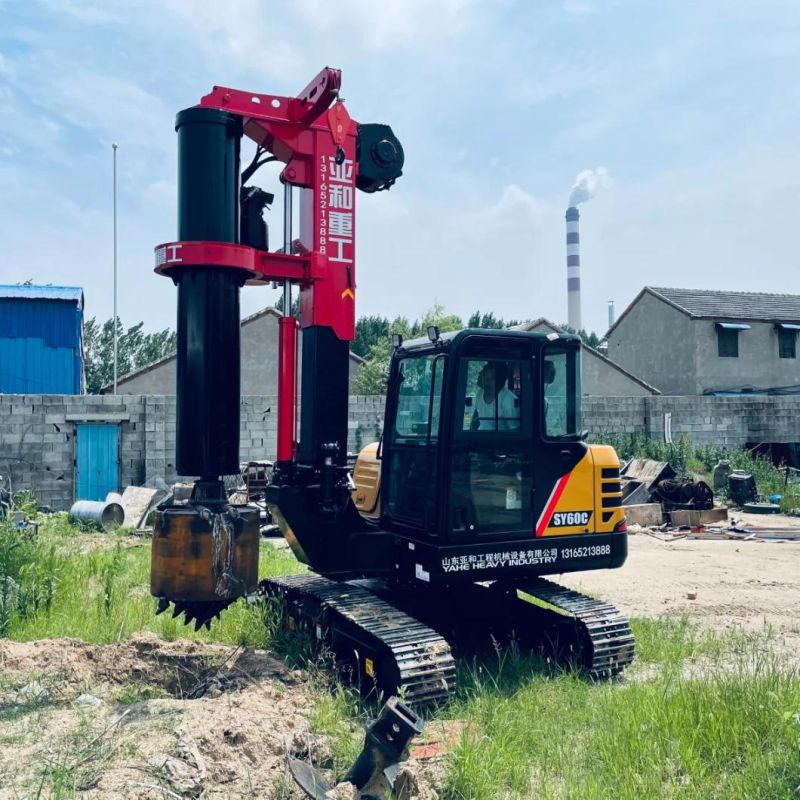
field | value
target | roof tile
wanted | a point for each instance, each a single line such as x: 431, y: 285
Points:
x: 733, y: 305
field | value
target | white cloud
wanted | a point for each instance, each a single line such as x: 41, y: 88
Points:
x: 114, y: 108
x: 390, y: 24
x: 249, y: 32
x: 579, y: 8
x: 81, y: 11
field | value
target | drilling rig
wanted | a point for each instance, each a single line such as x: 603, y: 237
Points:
x: 481, y: 484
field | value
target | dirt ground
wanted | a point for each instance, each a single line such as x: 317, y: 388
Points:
x: 212, y: 720
x: 748, y: 584
x: 149, y: 720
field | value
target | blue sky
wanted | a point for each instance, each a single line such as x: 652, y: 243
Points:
x: 693, y: 108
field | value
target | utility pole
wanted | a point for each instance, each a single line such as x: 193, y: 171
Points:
x: 114, y: 150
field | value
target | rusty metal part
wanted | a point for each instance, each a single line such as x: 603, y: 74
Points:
x: 203, y: 559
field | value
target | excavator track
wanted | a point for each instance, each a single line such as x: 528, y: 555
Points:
x: 606, y: 646
x: 401, y: 650
x: 390, y: 650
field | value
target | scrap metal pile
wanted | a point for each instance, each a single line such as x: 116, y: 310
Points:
x: 660, y: 503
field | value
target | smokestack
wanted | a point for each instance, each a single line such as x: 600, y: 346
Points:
x: 611, y: 315
x: 573, y: 269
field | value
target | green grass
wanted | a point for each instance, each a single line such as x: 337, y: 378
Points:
x: 138, y: 693
x: 701, y: 715
x: 719, y: 718
x: 49, y: 588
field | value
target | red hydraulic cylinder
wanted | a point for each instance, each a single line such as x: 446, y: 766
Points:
x: 287, y: 376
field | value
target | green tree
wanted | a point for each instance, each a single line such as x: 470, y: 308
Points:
x: 589, y: 338
x: 135, y: 349
x: 488, y: 320
x: 295, y: 304
x: 369, y: 331
x: 375, y: 373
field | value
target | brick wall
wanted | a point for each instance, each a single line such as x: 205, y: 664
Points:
x: 37, y: 433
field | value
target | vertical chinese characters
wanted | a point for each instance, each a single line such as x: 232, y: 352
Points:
x: 340, y: 214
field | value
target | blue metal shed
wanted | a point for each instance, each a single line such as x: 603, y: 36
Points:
x: 41, y: 339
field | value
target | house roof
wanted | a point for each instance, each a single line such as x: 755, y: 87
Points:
x: 733, y: 305
x: 542, y: 322
x: 265, y: 312
x: 31, y: 292
x: 724, y: 305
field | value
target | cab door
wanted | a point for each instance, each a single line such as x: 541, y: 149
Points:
x: 563, y: 485
x: 491, y: 458
x: 410, y: 456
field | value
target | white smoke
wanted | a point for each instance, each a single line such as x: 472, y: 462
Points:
x: 587, y: 183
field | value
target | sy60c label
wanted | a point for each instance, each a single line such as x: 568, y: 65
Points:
x: 567, y: 519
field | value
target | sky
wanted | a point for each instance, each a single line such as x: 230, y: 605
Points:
x: 691, y: 109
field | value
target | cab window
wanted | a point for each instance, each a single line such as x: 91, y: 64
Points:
x: 491, y: 395
x: 561, y: 378
x: 419, y: 399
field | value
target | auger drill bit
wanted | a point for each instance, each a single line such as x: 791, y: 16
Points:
x: 198, y: 613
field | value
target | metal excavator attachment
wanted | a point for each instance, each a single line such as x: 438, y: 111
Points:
x: 199, y: 613
x: 204, y: 555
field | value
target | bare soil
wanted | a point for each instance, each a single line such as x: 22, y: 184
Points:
x: 720, y: 584
x: 221, y: 727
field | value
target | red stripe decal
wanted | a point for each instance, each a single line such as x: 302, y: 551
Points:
x: 552, y: 502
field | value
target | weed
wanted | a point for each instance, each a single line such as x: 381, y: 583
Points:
x: 138, y: 693
x: 637, y: 445
x: 728, y: 734
x: 336, y: 714
x: 282, y: 789
x: 77, y: 764
x: 769, y: 479
x: 49, y: 588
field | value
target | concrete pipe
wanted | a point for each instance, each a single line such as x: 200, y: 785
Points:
x: 105, y: 516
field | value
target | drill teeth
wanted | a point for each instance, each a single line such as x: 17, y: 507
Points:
x: 199, y: 614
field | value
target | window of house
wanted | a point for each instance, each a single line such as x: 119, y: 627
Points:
x: 728, y: 338
x: 727, y: 343
x: 787, y: 343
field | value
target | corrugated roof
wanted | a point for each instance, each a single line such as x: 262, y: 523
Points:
x: 732, y: 305
x: 31, y: 292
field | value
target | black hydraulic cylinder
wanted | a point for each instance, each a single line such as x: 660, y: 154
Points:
x: 208, y: 357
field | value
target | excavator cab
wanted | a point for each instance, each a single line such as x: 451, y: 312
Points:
x: 474, y: 421
x: 483, y: 454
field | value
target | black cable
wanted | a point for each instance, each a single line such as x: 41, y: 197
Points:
x: 248, y: 172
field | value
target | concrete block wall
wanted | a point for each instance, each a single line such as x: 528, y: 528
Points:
x: 720, y: 421
x: 365, y: 423
x: 37, y: 432
x: 37, y: 440
x: 615, y: 414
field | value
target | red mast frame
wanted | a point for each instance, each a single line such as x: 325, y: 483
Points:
x: 314, y: 135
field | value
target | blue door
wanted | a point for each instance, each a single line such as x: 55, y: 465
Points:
x: 96, y: 460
